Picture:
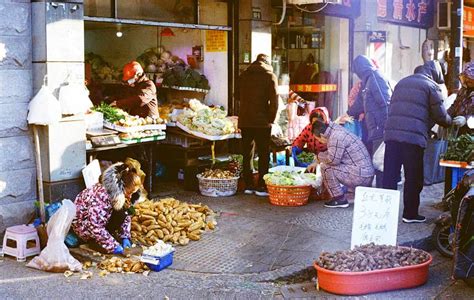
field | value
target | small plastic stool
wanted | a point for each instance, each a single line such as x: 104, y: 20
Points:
x: 18, y: 241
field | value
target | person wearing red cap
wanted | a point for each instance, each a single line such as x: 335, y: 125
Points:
x: 346, y: 161
x: 143, y: 100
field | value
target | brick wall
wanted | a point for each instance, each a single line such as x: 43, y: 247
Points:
x: 17, y: 161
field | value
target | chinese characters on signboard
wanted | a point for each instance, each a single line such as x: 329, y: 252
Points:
x: 468, y: 21
x: 415, y: 13
x: 375, y: 217
x: 216, y: 41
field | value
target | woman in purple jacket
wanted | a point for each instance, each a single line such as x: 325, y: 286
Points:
x: 102, y: 211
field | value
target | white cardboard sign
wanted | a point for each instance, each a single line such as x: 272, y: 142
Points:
x: 375, y: 216
x: 91, y: 173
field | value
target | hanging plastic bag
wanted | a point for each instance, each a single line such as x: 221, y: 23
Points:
x: 74, y: 99
x: 378, y: 158
x: 44, y: 108
x: 56, y: 257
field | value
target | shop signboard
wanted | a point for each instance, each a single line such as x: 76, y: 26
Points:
x: 344, y: 9
x: 468, y: 21
x: 216, y: 41
x: 413, y: 13
x: 375, y: 217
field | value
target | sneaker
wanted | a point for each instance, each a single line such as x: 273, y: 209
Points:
x: 417, y: 219
x: 249, y: 191
x: 343, y: 203
x: 262, y: 192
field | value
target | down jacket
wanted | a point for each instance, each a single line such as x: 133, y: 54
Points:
x: 373, y: 99
x: 258, y: 96
x: 95, y: 207
x: 143, y: 102
x: 416, y: 104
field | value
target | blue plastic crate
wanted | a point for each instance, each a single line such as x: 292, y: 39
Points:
x: 158, y: 263
x: 456, y: 176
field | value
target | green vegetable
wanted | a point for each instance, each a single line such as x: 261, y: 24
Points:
x: 286, y: 178
x: 111, y: 114
x: 305, y: 157
x: 460, y: 149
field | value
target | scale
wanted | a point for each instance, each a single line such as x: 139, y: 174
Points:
x: 103, y: 137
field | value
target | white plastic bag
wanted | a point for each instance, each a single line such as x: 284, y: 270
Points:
x: 74, y: 99
x: 378, y: 158
x: 56, y: 257
x: 44, y: 108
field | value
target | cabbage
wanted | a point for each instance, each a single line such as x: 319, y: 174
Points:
x: 287, y: 178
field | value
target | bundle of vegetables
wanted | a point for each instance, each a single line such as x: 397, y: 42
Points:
x: 371, y: 257
x: 170, y: 220
x: 287, y: 178
x: 120, y: 117
x: 202, y: 118
x: 182, y: 76
x: 460, y: 149
x: 102, y: 70
x: 305, y: 157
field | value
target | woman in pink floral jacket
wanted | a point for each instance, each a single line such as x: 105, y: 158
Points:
x: 102, y: 210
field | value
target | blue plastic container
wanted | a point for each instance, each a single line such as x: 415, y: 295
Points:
x: 158, y: 263
x: 456, y: 175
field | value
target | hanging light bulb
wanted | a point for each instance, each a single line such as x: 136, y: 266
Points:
x: 119, y: 32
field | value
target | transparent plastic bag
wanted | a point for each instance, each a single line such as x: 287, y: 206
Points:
x: 55, y: 257
x: 44, y: 108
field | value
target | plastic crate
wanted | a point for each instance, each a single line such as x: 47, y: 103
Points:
x: 456, y: 176
x: 182, y: 140
x: 158, y: 263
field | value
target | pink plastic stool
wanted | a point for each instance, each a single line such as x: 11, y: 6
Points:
x: 18, y: 241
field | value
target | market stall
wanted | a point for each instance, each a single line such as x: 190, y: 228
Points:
x: 184, y: 53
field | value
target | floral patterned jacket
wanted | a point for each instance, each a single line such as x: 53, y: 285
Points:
x: 93, y: 212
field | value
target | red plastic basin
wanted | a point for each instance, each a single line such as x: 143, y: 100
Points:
x: 359, y: 283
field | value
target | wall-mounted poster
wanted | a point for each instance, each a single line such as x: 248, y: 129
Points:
x: 216, y: 41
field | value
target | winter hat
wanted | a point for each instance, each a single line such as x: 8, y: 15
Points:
x: 319, y: 121
x: 469, y: 70
x: 113, y: 181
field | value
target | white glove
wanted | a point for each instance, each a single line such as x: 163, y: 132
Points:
x: 459, y: 121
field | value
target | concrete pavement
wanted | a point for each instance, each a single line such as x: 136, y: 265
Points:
x: 258, y: 251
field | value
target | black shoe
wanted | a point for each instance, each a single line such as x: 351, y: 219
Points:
x: 262, y: 192
x: 336, y: 203
x: 417, y: 219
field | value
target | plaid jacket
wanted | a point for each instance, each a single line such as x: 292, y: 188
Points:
x: 344, y: 148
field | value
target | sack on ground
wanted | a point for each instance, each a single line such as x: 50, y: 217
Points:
x: 56, y: 257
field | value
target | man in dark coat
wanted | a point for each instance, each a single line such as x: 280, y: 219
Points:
x: 373, y: 101
x: 257, y: 112
x: 143, y: 100
x: 416, y: 104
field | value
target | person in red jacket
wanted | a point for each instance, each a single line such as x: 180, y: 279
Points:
x: 306, y: 138
x: 143, y: 100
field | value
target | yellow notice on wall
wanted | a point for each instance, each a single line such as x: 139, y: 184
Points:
x: 216, y: 41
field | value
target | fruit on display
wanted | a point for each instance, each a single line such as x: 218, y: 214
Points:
x: 171, y: 221
x: 166, y: 111
x: 305, y: 157
x: 139, y: 134
x: 120, y: 117
x: 371, y: 257
x: 218, y: 174
x: 287, y: 178
x: 235, y: 164
x: 102, y: 70
x: 202, y: 118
